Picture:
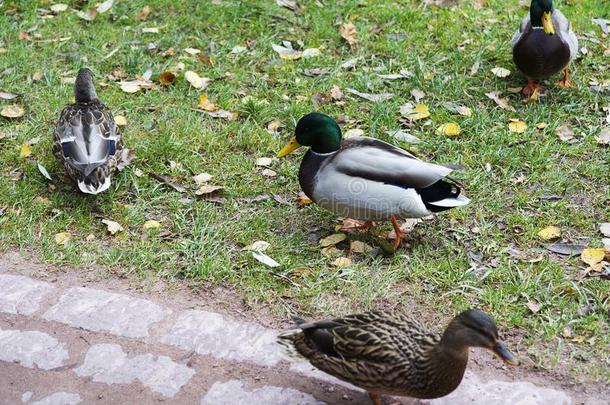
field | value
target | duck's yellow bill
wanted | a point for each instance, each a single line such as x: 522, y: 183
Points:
x: 547, y: 23
x: 289, y: 148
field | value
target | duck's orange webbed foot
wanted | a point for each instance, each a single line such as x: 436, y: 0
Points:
x: 375, y: 398
x: 399, y: 233
x: 358, y: 225
x: 532, y: 90
x: 565, y: 82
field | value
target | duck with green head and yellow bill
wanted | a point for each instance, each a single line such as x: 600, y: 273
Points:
x: 543, y: 45
x: 367, y: 179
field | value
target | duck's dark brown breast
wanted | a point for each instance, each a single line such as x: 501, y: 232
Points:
x: 539, y: 55
x: 310, y: 165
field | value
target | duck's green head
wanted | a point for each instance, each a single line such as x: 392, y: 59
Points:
x: 316, y: 130
x: 541, y: 12
x: 475, y: 328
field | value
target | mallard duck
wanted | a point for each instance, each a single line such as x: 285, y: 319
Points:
x: 393, y: 354
x: 543, y: 45
x: 367, y: 179
x: 86, y: 138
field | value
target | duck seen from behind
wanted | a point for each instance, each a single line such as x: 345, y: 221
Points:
x: 543, y: 45
x: 393, y: 354
x: 86, y: 138
x: 367, y: 179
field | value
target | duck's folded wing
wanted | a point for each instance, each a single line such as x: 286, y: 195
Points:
x: 522, y: 27
x: 379, y: 161
x: 563, y: 26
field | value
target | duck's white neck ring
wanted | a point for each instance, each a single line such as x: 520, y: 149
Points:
x: 324, y: 154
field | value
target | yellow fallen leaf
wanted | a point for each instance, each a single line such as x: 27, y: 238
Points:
x: 12, y: 111
x: 550, y: 232
x: 303, y: 200
x: 449, y: 129
x: 332, y: 239
x: 517, y: 126
x: 342, y: 261
x: 206, y: 104
x: 541, y: 125
x: 422, y: 112
x: 592, y: 256
x: 25, y: 151
x: 62, y: 238
x: 152, y: 224
x: 120, y: 120
x: 195, y: 80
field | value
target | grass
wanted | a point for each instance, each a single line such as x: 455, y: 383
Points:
x: 460, y: 259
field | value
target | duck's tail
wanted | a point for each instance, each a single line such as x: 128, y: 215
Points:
x: 443, y: 195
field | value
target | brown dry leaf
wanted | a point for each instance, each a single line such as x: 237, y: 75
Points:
x: 127, y: 156
x: 449, y: 129
x: 332, y: 239
x: 549, y: 233
x: 112, y: 226
x: 407, y: 226
x: 205, y: 104
x: 88, y: 15
x: 335, y: 93
x: 541, y: 125
x: 592, y: 256
x: 167, y: 78
x: 202, y: 178
x: 25, y: 150
x: 274, y: 125
x: 24, y: 36
x: 565, y: 133
x: 303, y: 200
x: 414, y: 113
x: 12, y: 111
x: 348, y: 32
x: 604, y: 137
x: 501, y: 102
x: 500, y: 72
x: 463, y: 110
x: 62, y: 238
x: 143, y: 15
x: 195, y: 80
x: 168, y: 53
x: 517, y: 126
x: 224, y: 114
x: 300, y: 272
x: 342, y: 262
x: 533, y: 306
x: 152, y: 224
x: 357, y: 246
x: 120, y: 120
x: 207, y: 189
x: 205, y: 59
x: 37, y: 76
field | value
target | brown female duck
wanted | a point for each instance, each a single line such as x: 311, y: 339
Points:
x: 391, y: 353
x: 86, y: 139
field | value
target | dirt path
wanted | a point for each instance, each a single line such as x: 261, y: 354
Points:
x: 70, y: 336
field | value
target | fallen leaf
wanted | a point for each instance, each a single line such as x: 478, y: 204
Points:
x: 192, y: 51
x: 404, y: 136
x: 565, y: 133
x: 300, y: 272
x: 360, y: 247
x: 224, y: 114
x: 407, y: 226
x: 87, y: 15
x: 25, y: 150
x: 500, y: 72
x: 120, y: 120
x: 112, y: 226
x: 592, y: 256
x: 202, y: 178
x: 58, y: 8
x: 403, y: 74
x: 268, y: 173
x: 316, y: 72
x: 533, y: 306
x: 290, y: 5
x: 287, y: 52
x: 273, y: 126
x: 152, y: 224
x: 143, y: 15
x: 43, y: 170
x: 336, y: 93
x: 414, y: 113
x: 342, y: 262
x: 463, y: 110
x: 150, y: 30
x: 263, y: 258
x: 167, y: 181
x: 417, y: 94
x: 348, y: 32
x: 332, y: 239
x: 259, y: 245
x: 167, y: 78
x: 8, y: 96
x: 62, y: 238
x: 195, y: 80
x: 371, y: 97
x: 207, y: 189
x: 475, y: 68
x: 568, y: 249
x: 311, y: 53
x: 351, y: 63
x: 206, y: 104
x: 604, y: 137
x: 449, y: 129
x: 303, y: 200
x: 501, y: 102
x: 205, y: 59
x: 350, y: 133
x: 517, y: 126
x: 12, y: 111
x: 127, y: 156
x: 265, y: 161
x: 604, y: 228
x: 37, y: 76
x: 238, y: 50
x: 105, y: 6
x: 549, y: 233
x: 603, y: 24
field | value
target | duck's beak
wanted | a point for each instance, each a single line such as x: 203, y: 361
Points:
x: 505, y: 354
x: 289, y: 148
x: 547, y: 22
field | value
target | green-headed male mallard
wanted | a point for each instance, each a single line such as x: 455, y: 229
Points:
x: 543, y: 45
x: 391, y: 353
x: 368, y: 179
x: 86, y: 139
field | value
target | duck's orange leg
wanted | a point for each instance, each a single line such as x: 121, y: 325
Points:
x: 566, y: 81
x: 375, y: 398
x: 531, y: 89
x: 399, y: 233
x: 365, y: 226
